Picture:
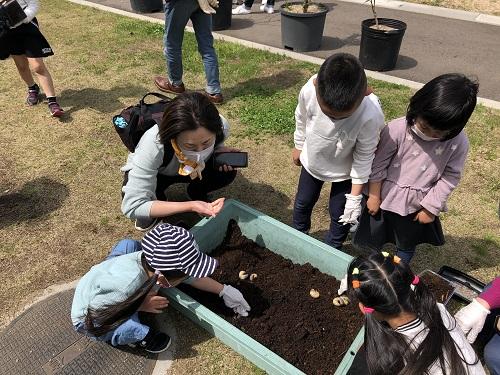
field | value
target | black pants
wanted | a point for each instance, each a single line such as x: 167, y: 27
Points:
x: 308, y: 194
x: 197, y: 189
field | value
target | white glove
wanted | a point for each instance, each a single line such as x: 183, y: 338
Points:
x: 343, y: 286
x: 207, y: 6
x: 352, y: 209
x: 234, y: 300
x: 471, y: 319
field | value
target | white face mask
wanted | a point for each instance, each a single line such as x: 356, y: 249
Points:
x: 199, y: 156
x: 421, y: 135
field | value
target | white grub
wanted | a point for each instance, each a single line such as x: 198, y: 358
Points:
x: 253, y: 276
x: 243, y: 275
x: 341, y: 301
x: 314, y: 293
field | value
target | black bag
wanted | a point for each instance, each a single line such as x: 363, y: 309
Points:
x: 135, y: 120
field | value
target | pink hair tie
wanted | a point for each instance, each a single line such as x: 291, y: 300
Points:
x: 368, y: 310
x: 416, y: 280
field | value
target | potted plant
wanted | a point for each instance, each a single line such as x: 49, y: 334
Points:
x: 380, y: 41
x: 302, y: 25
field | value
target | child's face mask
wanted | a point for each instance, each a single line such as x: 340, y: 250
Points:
x: 421, y: 135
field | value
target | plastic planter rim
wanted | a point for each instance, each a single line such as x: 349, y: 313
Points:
x: 398, y: 25
x: 286, y: 12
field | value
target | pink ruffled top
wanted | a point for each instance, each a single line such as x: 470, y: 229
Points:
x: 417, y: 173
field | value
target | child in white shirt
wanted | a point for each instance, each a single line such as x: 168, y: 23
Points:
x: 338, y: 122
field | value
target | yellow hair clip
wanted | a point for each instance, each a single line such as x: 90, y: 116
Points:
x: 355, y: 271
x: 385, y: 254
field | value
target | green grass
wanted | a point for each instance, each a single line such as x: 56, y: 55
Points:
x: 68, y: 173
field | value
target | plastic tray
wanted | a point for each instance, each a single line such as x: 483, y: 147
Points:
x: 466, y: 287
x: 446, y: 281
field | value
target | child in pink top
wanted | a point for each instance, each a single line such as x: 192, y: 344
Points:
x: 418, y: 163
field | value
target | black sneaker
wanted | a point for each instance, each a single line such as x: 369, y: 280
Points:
x: 146, y: 225
x: 154, y: 342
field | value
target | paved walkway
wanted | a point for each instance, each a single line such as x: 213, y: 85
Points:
x: 431, y: 46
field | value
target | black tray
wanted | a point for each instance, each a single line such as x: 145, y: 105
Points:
x: 467, y: 287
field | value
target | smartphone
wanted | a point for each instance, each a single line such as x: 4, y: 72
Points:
x: 233, y: 159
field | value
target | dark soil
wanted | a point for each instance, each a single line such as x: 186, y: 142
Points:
x: 312, y: 334
x: 440, y: 287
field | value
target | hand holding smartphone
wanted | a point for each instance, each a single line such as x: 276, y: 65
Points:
x: 233, y: 159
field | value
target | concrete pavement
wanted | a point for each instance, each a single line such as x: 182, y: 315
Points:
x: 432, y: 44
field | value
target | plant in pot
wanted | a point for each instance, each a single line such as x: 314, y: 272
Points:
x: 302, y: 25
x: 380, y: 41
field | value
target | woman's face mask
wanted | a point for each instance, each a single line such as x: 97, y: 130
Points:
x: 421, y: 135
x: 199, y: 156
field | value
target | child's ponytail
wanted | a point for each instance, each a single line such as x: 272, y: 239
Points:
x: 386, y: 286
x: 107, y: 318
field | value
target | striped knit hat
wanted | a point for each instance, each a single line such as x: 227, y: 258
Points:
x: 168, y: 248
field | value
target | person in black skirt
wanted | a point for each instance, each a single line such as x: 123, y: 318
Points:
x: 20, y: 38
x: 418, y: 163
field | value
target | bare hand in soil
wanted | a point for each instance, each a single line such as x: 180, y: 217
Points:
x: 314, y: 293
x: 243, y: 275
x: 341, y: 301
x: 253, y: 276
x: 153, y: 304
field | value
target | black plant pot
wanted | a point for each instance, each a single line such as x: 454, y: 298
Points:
x: 302, y: 32
x: 147, y: 6
x: 222, y: 19
x: 379, y: 49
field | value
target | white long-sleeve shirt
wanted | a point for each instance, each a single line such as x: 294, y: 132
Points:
x: 337, y: 150
x: 416, y: 331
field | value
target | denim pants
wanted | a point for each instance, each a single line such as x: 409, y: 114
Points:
x: 308, y: 194
x: 132, y: 330
x: 177, y: 15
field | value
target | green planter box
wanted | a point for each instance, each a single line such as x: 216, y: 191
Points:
x: 282, y: 240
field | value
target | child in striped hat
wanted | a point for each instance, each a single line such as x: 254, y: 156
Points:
x: 109, y: 297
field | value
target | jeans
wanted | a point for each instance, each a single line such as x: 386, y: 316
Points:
x: 177, y: 15
x: 406, y: 254
x: 132, y: 330
x: 492, y: 355
x: 307, y: 196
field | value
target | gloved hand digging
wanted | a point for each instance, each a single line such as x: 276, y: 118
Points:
x: 234, y: 300
x: 352, y: 209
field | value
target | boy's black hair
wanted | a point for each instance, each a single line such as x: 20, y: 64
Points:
x: 341, y: 81
x: 445, y: 103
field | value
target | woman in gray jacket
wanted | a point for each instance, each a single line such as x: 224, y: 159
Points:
x: 178, y: 150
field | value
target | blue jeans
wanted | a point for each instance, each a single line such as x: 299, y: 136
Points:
x: 406, y: 254
x: 132, y: 330
x: 307, y: 196
x: 177, y: 15
x: 492, y: 355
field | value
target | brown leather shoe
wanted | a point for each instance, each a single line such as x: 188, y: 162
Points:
x: 215, y: 98
x: 164, y: 85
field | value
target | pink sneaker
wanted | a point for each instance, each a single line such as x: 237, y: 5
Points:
x: 55, y: 110
x: 33, y: 96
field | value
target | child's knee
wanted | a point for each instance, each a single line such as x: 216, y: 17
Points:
x: 38, y: 66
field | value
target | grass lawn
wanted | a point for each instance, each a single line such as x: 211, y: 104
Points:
x: 481, y: 6
x: 60, y: 185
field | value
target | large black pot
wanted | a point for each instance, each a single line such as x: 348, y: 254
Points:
x: 379, y: 49
x: 302, y: 32
x: 221, y: 20
x: 147, y: 6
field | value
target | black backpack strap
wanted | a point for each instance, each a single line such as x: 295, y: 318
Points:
x: 157, y: 94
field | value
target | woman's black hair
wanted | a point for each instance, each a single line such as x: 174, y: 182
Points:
x: 107, y: 318
x: 189, y: 111
x: 445, y: 103
x: 385, y: 286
